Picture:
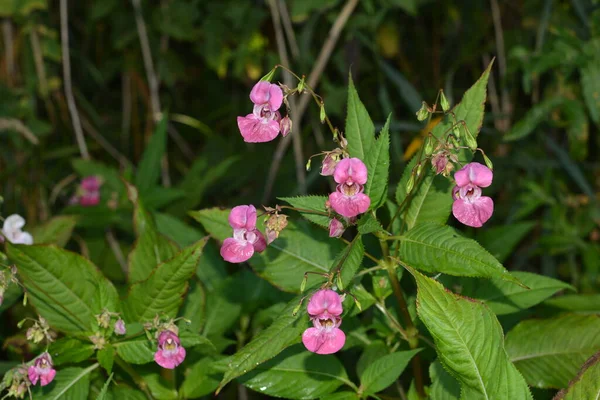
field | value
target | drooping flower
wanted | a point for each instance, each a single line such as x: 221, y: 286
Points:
x: 348, y: 199
x: 88, y: 192
x: 325, y: 337
x: 246, y: 238
x: 470, y: 207
x: 120, y: 327
x: 170, y: 353
x: 330, y: 161
x: 41, y: 370
x: 12, y: 230
x: 336, y: 228
x: 263, y: 125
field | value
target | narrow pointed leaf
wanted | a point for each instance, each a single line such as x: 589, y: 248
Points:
x: 378, y: 168
x: 56, y: 231
x: 360, y: 131
x: 469, y: 342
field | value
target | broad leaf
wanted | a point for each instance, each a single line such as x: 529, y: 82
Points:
x: 136, y: 351
x: 550, y: 352
x: 374, y: 351
x: 301, y: 247
x: 360, y: 131
x: 70, y: 350
x: 65, y: 288
x: 384, y: 371
x: 378, y: 168
x: 469, y: 342
x: 69, y: 384
x: 586, y: 384
x: 56, y: 231
x: 149, y: 167
x: 368, y: 224
x: 297, y: 374
x: 435, y: 248
x: 575, y: 303
x: 159, y: 387
x: 200, y: 380
x: 310, y: 203
x: 106, y: 357
x: 443, y: 385
x: 162, y: 293
x: 500, y: 241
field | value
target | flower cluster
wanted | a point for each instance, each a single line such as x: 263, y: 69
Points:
x: 348, y: 199
x: 265, y: 122
x: 12, y: 230
x: 246, y: 238
x: 325, y: 337
x: 170, y: 352
x: 88, y: 192
x: 470, y: 207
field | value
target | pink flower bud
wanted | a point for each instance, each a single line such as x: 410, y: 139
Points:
x: 120, y: 327
x: 285, y: 126
x: 336, y: 228
x: 41, y: 370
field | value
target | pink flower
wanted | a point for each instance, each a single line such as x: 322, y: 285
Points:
x: 285, y: 125
x: 470, y: 207
x: 246, y: 238
x: 41, y: 370
x: 170, y: 353
x: 88, y: 192
x: 348, y: 199
x: 11, y: 230
x: 120, y: 327
x: 336, y: 228
x: 263, y: 124
x: 325, y: 337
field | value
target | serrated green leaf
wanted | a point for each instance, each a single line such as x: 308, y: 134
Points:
x: 374, y: 351
x: 104, y: 394
x: 297, y: 374
x: 177, y: 230
x: 70, y: 350
x: 200, y: 380
x: 162, y: 293
x: 349, y: 260
x: 69, y: 384
x: 285, y: 331
x: 443, y: 385
x: 106, y: 358
x: 550, y: 352
x: 56, y: 231
x: 301, y: 247
x: 194, y: 306
x: 378, y: 168
x: 586, y: 384
x: 149, y: 167
x: 135, y: 351
x: 435, y: 248
x: 383, y: 372
x: 575, y: 303
x: 151, y: 248
x: 469, y: 342
x: 191, y: 339
x: 368, y: 224
x: 501, y: 240
x: 65, y: 288
x: 159, y: 387
x: 312, y: 203
x: 360, y: 131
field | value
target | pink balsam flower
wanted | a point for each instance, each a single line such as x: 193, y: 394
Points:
x: 246, y: 238
x: 170, y: 353
x: 470, y: 207
x: 263, y: 125
x: 348, y: 199
x: 11, y: 230
x: 325, y: 337
x: 41, y: 370
x: 88, y: 192
x: 336, y: 228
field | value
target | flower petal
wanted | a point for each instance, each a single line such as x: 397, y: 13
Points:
x: 243, y: 217
x: 350, y: 168
x: 275, y: 97
x: 321, y: 342
x: 47, y: 377
x: 325, y: 300
x: 256, y: 129
x: 13, y: 223
x: 261, y: 244
x: 473, y: 214
x: 349, y: 206
x: 236, y: 251
x: 475, y: 173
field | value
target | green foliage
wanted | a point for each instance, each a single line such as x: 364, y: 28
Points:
x: 71, y: 384
x: 382, y: 372
x: 311, y: 203
x: 149, y: 167
x: 469, y: 342
x: 360, y: 130
x: 586, y: 385
x: 56, y: 231
x: 378, y: 167
x: 136, y: 351
x: 443, y: 385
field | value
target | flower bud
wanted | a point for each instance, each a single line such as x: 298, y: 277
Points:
x: 470, y: 140
x: 456, y: 130
x: 285, y: 126
x: 120, y: 327
x: 428, y: 146
x: 336, y: 228
x: 269, y: 76
x: 488, y: 162
x: 103, y: 319
x: 338, y: 282
x: 35, y: 334
x: 322, y: 114
x: 98, y: 340
x: 423, y: 112
x: 444, y: 101
x: 274, y: 225
x: 301, y: 85
x: 303, y: 284
x: 410, y: 184
x: 330, y: 160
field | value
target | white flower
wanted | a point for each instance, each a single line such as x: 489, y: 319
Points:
x: 12, y: 230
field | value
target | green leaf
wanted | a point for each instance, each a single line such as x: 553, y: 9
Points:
x: 443, y: 385
x: 384, y: 371
x: 56, y: 231
x: 550, y: 352
x: 469, y: 342
x: 200, y: 380
x: 349, y: 260
x: 110, y: 175
x: 378, y: 168
x: 535, y: 116
x: 285, y: 331
x: 590, y: 85
x: 374, y: 351
x: 191, y: 339
x: 368, y: 224
x: 125, y: 393
x: 297, y: 374
x: 65, y: 288
x: 151, y: 248
x: 103, y: 395
x: 194, y: 306
x: 106, y: 358
x: 136, y: 351
x: 500, y: 241
x: 576, y: 303
x: 69, y: 384
x: 360, y: 131
x: 159, y: 387
x: 177, y: 230
x: 149, y: 167
x: 162, y: 293
x: 435, y: 248
x: 312, y: 203
x: 505, y: 297
x: 70, y: 350
x: 301, y: 247
x: 586, y: 384
x: 221, y: 314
